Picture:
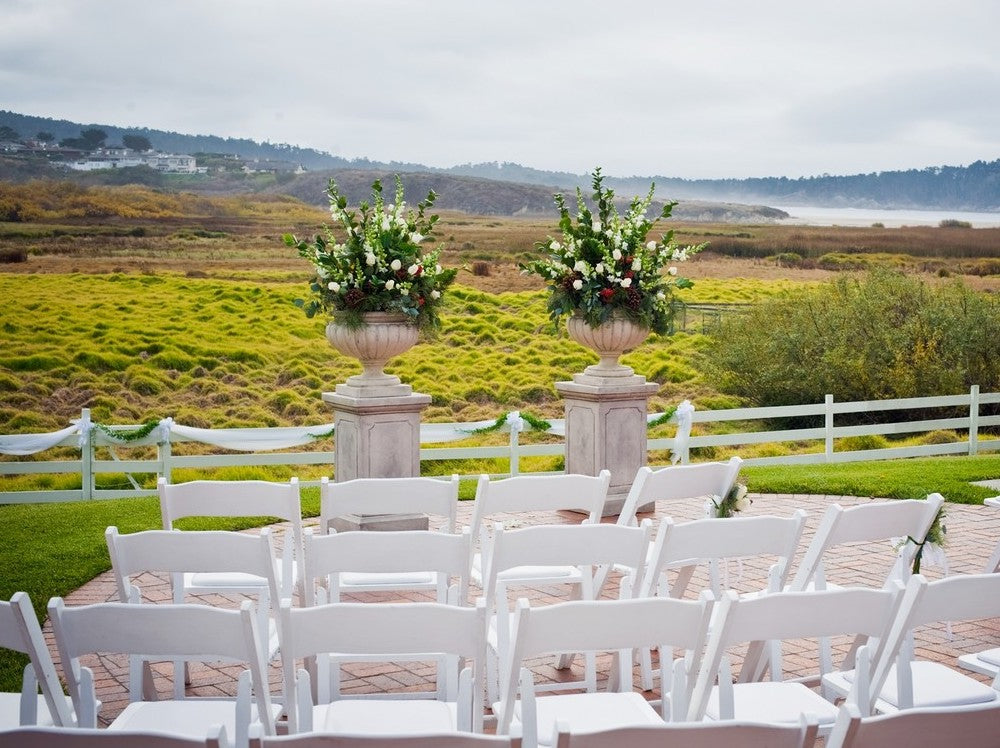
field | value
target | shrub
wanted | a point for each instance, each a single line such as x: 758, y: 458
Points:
x: 954, y: 223
x: 940, y: 437
x: 481, y: 268
x: 883, y: 335
x: 13, y: 254
x: 861, y: 443
x: 788, y: 259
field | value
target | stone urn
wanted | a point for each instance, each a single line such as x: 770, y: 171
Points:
x: 610, y: 340
x: 382, y: 336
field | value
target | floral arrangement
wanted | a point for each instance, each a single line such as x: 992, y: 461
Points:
x: 734, y: 501
x: 605, y: 265
x: 377, y: 265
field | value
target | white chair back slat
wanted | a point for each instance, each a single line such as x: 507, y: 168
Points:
x: 678, y: 482
x: 389, y: 496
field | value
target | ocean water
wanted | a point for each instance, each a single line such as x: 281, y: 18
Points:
x: 809, y: 216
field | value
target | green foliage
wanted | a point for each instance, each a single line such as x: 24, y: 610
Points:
x: 954, y: 223
x: 880, y: 336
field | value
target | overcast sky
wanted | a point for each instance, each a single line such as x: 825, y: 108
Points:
x: 700, y: 89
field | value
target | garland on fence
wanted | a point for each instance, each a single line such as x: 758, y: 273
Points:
x: 734, y: 501
x: 662, y: 418
x: 127, y: 435
x: 324, y: 435
x: 536, y: 423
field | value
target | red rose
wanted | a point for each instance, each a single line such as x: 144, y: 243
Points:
x: 606, y: 294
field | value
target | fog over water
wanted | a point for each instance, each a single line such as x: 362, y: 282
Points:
x: 811, y: 216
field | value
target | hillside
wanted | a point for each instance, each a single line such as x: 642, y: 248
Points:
x: 975, y: 187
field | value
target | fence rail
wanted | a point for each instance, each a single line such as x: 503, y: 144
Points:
x: 824, y: 437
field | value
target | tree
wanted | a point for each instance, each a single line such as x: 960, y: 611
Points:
x: 136, y: 142
x: 93, y: 138
x: 9, y: 133
x: 45, y: 137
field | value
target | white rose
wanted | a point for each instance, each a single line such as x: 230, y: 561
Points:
x: 672, y: 270
x: 435, y: 294
x: 416, y: 237
x: 578, y: 284
x: 626, y: 282
x: 555, y: 246
x: 333, y: 286
x: 412, y: 270
x: 580, y: 266
x: 390, y: 284
x: 617, y: 254
x: 596, y: 226
x: 660, y: 295
x: 395, y: 264
x: 637, y: 264
x: 599, y: 268
x: 651, y: 246
x: 369, y: 259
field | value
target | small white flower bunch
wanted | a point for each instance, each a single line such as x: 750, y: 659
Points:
x: 379, y: 267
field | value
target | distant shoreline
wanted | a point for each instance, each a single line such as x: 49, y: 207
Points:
x: 804, y: 215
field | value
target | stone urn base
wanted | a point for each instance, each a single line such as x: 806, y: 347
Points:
x: 382, y: 336
x: 610, y: 340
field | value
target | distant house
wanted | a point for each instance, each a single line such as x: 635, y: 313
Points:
x: 120, y: 158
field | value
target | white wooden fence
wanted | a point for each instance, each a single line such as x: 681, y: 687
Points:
x: 821, y: 447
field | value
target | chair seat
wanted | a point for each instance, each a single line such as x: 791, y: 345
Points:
x: 188, y: 717
x: 935, y: 684
x: 231, y: 580
x: 10, y: 711
x: 984, y: 663
x: 777, y: 702
x: 384, y: 717
x: 590, y: 712
x: 388, y: 579
x: 990, y: 656
x: 560, y: 574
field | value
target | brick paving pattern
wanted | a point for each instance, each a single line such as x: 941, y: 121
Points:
x: 973, y: 532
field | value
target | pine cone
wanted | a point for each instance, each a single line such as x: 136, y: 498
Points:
x: 634, y: 299
x: 354, y: 297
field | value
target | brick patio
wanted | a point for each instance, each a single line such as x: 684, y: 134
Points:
x: 973, y: 532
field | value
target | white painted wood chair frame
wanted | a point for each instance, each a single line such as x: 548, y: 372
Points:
x: 865, y: 614
x: 899, y: 682
x: 682, y: 547
x: 21, y: 632
x: 678, y: 483
x: 55, y: 737
x: 441, y: 740
x: 368, y: 496
x: 543, y: 555
x: 390, y: 631
x: 694, y: 735
x: 618, y: 626
x: 250, y: 498
x: 573, y: 492
x: 167, y: 631
x: 965, y: 726
x: 185, y: 554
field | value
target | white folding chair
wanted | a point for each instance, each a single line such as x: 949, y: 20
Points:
x: 861, y: 614
x: 993, y: 565
x: 544, y: 555
x: 965, y: 726
x: 533, y: 493
x: 387, y: 561
x: 693, y: 735
x: 251, y: 498
x: 20, y: 632
x: 685, y: 546
x: 164, y: 632
x: 678, y: 483
x: 388, y: 496
x: 617, y: 626
x: 192, y: 553
x: 866, y: 523
x: 441, y: 740
x: 55, y: 737
x: 901, y: 682
x: 420, y: 632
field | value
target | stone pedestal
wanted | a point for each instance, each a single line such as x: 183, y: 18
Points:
x: 377, y: 437
x: 606, y: 429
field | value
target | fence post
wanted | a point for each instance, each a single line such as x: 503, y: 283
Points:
x: 828, y: 426
x: 86, y: 459
x: 165, y: 453
x: 974, y: 420
x: 515, y: 454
